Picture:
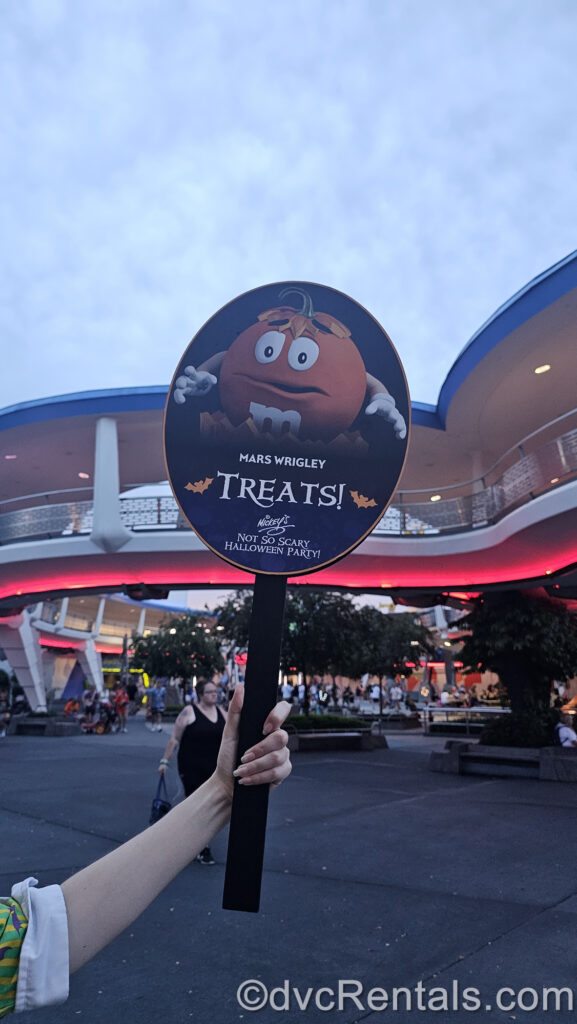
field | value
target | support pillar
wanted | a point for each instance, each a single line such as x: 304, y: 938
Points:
x: 107, y: 529
x: 91, y: 664
x: 99, y: 617
x: 22, y: 648
x: 141, y: 621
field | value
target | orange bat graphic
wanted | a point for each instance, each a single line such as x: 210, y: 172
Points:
x: 200, y: 485
x: 361, y: 501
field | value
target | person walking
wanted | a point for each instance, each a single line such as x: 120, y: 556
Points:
x: 157, y: 705
x: 396, y: 695
x: 121, y: 701
x: 197, y: 735
x: 132, y: 691
x: 4, y: 713
x: 89, y: 703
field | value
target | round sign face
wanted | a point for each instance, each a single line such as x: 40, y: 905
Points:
x: 286, y: 428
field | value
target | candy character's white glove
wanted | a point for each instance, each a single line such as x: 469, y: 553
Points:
x: 384, y: 405
x: 193, y: 383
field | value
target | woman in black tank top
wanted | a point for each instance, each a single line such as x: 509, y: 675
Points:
x: 198, y: 749
x: 197, y: 734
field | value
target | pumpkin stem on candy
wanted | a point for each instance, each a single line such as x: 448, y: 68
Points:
x: 308, y: 308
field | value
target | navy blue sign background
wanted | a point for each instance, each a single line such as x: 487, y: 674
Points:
x: 286, y: 428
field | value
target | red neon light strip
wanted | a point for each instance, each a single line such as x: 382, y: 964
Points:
x: 74, y: 645
x: 77, y: 645
x: 525, y: 561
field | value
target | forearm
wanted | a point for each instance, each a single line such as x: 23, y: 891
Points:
x: 159, y: 852
x: 171, y: 746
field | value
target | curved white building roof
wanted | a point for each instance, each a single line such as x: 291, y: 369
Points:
x: 498, y: 454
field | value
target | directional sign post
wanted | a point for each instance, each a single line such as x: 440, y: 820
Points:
x: 286, y: 430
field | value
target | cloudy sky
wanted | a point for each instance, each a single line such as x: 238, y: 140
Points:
x: 159, y: 157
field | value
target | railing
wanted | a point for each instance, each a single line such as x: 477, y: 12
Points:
x: 532, y: 474
x: 46, y: 521
x: 487, y: 500
x: 450, y: 716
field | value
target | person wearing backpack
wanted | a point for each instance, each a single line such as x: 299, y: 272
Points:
x: 565, y: 735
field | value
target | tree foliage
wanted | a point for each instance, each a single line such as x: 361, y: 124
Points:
x: 324, y: 632
x: 318, y: 632
x: 234, y: 617
x: 182, y: 649
x: 528, y: 641
x: 387, y: 644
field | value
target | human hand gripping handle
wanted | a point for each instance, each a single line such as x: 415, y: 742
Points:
x: 265, y: 762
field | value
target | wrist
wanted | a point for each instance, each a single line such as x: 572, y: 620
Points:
x: 222, y: 789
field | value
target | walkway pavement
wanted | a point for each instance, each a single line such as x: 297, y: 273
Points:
x: 377, y: 871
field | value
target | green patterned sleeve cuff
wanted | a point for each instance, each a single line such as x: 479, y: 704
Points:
x: 13, y: 926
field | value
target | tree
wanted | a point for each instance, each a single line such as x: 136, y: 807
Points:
x: 324, y: 632
x: 182, y: 649
x: 385, y: 644
x: 528, y: 641
x: 317, y: 629
x: 234, y: 617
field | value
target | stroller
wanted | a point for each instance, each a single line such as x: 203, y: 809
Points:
x: 105, y: 719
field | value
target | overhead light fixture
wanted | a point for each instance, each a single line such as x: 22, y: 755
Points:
x: 10, y: 456
x: 542, y: 369
x: 84, y: 476
x: 435, y: 497
x: 555, y: 480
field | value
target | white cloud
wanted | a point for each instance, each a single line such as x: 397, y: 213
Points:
x: 158, y: 159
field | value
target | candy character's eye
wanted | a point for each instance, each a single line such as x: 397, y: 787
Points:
x: 303, y: 353
x: 269, y: 346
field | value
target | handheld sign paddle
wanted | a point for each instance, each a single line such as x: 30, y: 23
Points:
x: 286, y: 430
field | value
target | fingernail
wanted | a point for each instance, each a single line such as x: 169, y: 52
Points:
x: 235, y: 772
x: 249, y: 756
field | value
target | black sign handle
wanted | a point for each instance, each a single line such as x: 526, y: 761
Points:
x: 250, y: 803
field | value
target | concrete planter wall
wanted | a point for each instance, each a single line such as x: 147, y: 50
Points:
x: 325, y: 739
x: 32, y: 725
x: 552, y: 764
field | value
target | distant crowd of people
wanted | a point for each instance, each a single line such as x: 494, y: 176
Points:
x: 109, y: 710
x: 106, y: 711
x: 10, y: 706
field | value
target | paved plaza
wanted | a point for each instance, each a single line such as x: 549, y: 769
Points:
x: 377, y: 871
